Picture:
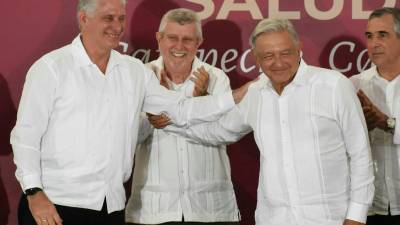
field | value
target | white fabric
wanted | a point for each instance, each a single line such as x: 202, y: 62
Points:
x: 77, y: 128
x: 315, y: 162
x: 385, y: 96
x: 174, y: 177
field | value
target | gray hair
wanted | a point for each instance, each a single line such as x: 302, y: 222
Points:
x: 181, y: 16
x: 89, y: 6
x: 273, y: 25
x: 395, y: 12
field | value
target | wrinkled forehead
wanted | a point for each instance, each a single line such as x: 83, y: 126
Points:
x: 382, y: 23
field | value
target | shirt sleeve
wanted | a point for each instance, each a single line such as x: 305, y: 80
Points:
x: 183, y: 111
x: 396, y: 136
x: 145, y: 128
x: 355, y: 136
x: 230, y: 128
x: 32, y: 119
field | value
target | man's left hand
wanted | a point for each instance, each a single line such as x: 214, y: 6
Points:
x: 201, y: 79
x: 352, y: 222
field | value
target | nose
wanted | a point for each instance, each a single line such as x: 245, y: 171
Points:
x: 179, y: 44
x: 118, y: 25
x: 374, y: 42
x: 277, y: 61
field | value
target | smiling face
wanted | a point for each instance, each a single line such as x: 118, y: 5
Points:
x: 178, y: 44
x: 103, y: 28
x: 382, y: 42
x: 278, y: 56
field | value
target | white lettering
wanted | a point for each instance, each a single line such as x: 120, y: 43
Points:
x: 208, y: 8
x: 213, y: 52
x: 243, y: 61
x: 357, y: 8
x: 275, y: 13
x: 230, y: 6
x: 312, y: 10
x: 332, y: 56
x: 225, y: 60
x: 360, y: 67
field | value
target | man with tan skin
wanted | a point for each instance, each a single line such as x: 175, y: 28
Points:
x: 78, y: 122
x: 315, y: 164
x: 379, y: 92
x: 191, y: 181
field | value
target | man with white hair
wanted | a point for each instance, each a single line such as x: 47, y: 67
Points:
x: 315, y: 163
x: 78, y: 122
x: 191, y: 181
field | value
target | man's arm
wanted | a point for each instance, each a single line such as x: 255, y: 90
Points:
x: 355, y: 134
x: 32, y: 120
x: 183, y: 111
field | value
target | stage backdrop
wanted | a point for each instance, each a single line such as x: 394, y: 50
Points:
x: 331, y: 32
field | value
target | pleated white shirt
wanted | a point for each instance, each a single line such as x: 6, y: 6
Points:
x: 315, y: 160
x: 77, y: 128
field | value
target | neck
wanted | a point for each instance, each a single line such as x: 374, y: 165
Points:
x: 389, y: 72
x: 98, y: 56
x: 279, y: 88
x: 177, y: 74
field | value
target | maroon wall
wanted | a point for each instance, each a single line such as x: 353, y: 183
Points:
x: 331, y: 32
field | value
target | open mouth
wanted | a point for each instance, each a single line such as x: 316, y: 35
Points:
x: 178, y: 54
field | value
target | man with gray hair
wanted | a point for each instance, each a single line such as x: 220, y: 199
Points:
x: 315, y: 163
x: 191, y: 181
x: 78, y: 122
x: 379, y: 94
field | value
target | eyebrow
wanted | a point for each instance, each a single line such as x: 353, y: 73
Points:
x: 379, y: 32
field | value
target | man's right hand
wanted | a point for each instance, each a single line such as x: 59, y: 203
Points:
x: 43, y: 210
x: 158, y: 121
x: 373, y: 116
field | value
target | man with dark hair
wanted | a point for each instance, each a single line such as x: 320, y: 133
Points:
x: 379, y: 93
x: 78, y: 122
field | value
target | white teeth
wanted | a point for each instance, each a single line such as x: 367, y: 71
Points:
x: 177, y: 54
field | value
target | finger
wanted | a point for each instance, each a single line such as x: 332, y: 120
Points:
x: 155, y: 118
x: 149, y: 114
x: 202, y: 70
x: 202, y: 74
x: 50, y: 221
x: 37, y: 220
x: 363, y: 98
x: 162, y: 123
x: 57, y: 219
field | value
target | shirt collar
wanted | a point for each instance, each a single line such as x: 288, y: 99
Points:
x: 371, y: 73
x: 82, y: 58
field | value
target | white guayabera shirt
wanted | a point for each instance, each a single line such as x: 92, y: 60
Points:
x: 315, y: 162
x: 385, y: 96
x: 77, y: 128
x: 174, y: 177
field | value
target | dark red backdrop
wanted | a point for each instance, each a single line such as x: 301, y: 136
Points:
x: 331, y: 32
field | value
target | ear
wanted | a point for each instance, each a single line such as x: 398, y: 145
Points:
x: 82, y: 18
x: 199, y: 41
x: 300, y: 46
x: 158, y: 36
x: 253, y: 52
